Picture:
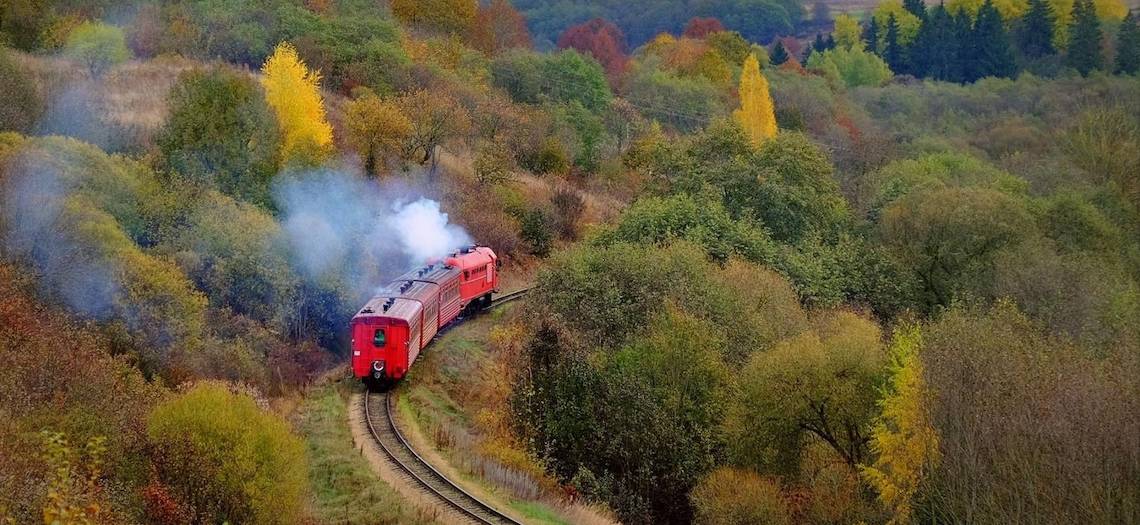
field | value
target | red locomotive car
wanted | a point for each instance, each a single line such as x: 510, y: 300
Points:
x: 389, y: 332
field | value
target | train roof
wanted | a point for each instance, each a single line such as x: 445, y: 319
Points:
x: 471, y: 257
x: 390, y: 308
x: 437, y: 273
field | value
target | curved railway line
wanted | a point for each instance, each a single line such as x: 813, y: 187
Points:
x: 415, y: 469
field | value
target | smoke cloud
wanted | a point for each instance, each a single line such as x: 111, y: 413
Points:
x: 337, y: 224
x: 35, y: 197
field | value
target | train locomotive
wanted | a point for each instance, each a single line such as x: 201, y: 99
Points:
x: 393, y: 327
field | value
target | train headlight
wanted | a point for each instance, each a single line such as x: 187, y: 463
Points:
x: 378, y: 369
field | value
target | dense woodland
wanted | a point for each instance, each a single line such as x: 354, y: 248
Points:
x: 887, y: 271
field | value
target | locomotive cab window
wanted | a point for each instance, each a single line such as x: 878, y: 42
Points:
x: 379, y: 338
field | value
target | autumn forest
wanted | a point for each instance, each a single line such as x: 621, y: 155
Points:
x: 788, y: 262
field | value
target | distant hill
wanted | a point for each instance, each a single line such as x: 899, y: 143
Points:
x: 757, y: 20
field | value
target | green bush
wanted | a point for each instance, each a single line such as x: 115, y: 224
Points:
x: 220, y: 131
x: 536, y: 232
x: 224, y: 459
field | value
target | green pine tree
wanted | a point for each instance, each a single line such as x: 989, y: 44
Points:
x: 963, y: 34
x: 1085, y: 37
x: 871, y: 36
x: 1035, y: 32
x: 830, y: 43
x: 779, y: 54
x: 935, y: 50
x: 916, y: 8
x: 991, y: 54
x: 893, y: 51
x: 1128, y: 46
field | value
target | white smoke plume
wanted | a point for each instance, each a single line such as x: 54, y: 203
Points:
x: 423, y: 230
x: 337, y: 224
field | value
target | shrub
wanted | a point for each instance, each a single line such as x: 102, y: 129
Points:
x: 568, y: 206
x: 551, y: 158
x: 226, y: 459
x: 730, y: 496
x: 535, y: 230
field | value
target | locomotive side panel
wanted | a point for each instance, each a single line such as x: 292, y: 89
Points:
x: 479, y: 276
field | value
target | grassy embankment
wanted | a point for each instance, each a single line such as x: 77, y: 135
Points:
x: 344, y: 487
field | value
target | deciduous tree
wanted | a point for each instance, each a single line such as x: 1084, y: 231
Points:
x: 698, y: 27
x: 498, y: 27
x: 904, y: 439
x: 816, y: 385
x: 602, y: 40
x: 757, y: 114
x: 97, y: 47
x: 377, y: 129
x: 221, y: 131
x: 848, y: 32
x: 437, y: 117
x: 293, y: 91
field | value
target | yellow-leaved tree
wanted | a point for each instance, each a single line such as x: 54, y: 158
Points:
x: 293, y: 91
x: 904, y: 439
x: 848, y: 32
x: 757, y: 113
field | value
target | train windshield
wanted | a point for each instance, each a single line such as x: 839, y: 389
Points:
x: 378, y: 339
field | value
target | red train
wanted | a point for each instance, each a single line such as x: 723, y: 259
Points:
x: 389, y: 332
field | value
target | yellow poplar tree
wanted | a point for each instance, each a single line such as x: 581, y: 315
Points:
x: 904, y: 438
x: 757, y: 113
x: 848, y: 32
x: 293, y: 91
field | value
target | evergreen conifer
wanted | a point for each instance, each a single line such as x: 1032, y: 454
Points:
x: 1128, y: 46
x: 779, y: 54
x: 1085, y: 37
x: 991, y: 54
x: 1035, y: 31
x: 871, y: 36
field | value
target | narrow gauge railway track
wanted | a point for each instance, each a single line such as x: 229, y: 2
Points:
x: 416, y: 469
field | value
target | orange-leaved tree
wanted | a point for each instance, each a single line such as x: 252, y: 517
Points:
x: 904, y: 439
x: 757, y: 113
x: 498, y: 27
x: 293, y: 91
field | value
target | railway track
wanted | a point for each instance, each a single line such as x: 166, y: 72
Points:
x: 416, y: 470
